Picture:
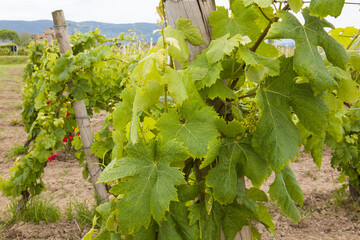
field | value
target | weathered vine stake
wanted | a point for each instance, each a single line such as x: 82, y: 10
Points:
x: 81, y: 115
x: 198, y: 11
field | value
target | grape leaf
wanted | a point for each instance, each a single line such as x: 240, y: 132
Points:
x: 209, y: 224
x: 151, y: 188
x: 190, y: 32
x: 123, y: 110
x: 307, y: 60
x: 295, y: 5
x: 224, y: 179
x: 241, y: 22
x: 260, y: 3
x: 80, y: 88
x: 219, y: 90
x: 202, y: 72
x: 323, y: 8
x: 148, y: 67
x: 196, y: 130
x: 211, y: 155
x: 348, y: 89
x: 271, y: 65
x: 276, y: 136
x: 177, y: 224
x: 342, y: 35
x: 224, y: 46
x: 176, y: 38
x: 235, y: 217
x: 284, y: 190
x: 180, y: 85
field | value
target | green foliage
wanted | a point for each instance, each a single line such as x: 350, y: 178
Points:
x: 344, y: 139
x: 17, y: 150
x: 307, y: 60
x: 346, y: 157
x: 36, y: 210
x: 6, y: 34
x: 81, y: 212
x: 96, y: 73
x: 7, y: 60
x: 214, y: 132
x: 177, y: 144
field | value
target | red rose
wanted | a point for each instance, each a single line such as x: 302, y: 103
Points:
x: 71, y: 137
x: 65, y: 139
x: 47, y: 102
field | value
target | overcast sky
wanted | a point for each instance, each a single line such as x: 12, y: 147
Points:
x: 119, y: 11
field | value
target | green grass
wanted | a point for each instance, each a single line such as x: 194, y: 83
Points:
x: 36, y: 210
x: 17, y: 150
x: 4, y: 70
x: 81, y: 212
x: 18, y: 106
x: 7, y: 60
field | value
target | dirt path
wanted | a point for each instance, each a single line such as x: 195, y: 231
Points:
x: 325, y: 214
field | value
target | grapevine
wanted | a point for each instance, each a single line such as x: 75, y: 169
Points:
x: 185, y: 180
x: 187, y: 145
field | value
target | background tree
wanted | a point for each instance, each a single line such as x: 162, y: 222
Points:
x: 7, y: 34
x: 24, y: 38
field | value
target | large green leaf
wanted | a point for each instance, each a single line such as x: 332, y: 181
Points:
x: 177, y: 224
x: 176, y: 39
x: 219, y: 90
x: 123, y: 110
x: 150, y: 184
x: 224, y: 179
x: 307, y: 60
x: 285, y: 189
x: 180, y: 85
x: 276, y: 136
x: 149, y: 67
x: 209, y: 223
x: 203, y: 72
x: 258, y: 67
x: 224, y: 46
x: 235, y: 217
x: 241, y: 22
x: 195, y: 127
x: 323, y: 8
x: 295, y: 5
x: 190, y: 32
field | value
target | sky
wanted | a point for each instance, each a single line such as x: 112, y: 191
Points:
x: 120, y: 11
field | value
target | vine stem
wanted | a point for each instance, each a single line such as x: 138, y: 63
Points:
x: 259, y: 41
x: 357, y: 35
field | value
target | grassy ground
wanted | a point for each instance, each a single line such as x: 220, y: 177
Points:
x: 6, y: 60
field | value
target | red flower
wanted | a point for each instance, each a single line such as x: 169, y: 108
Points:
x: 56, y: 155
x: 67, y: 114
x: 71, y: 137
x: 47, y: 102
x: 78, y: 134
x: 65, y: 139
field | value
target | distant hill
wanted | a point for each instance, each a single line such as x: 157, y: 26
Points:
x: 143, y: 30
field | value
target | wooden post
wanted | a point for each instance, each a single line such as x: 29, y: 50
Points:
x: 198, y: 11
x: 81, y: 115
